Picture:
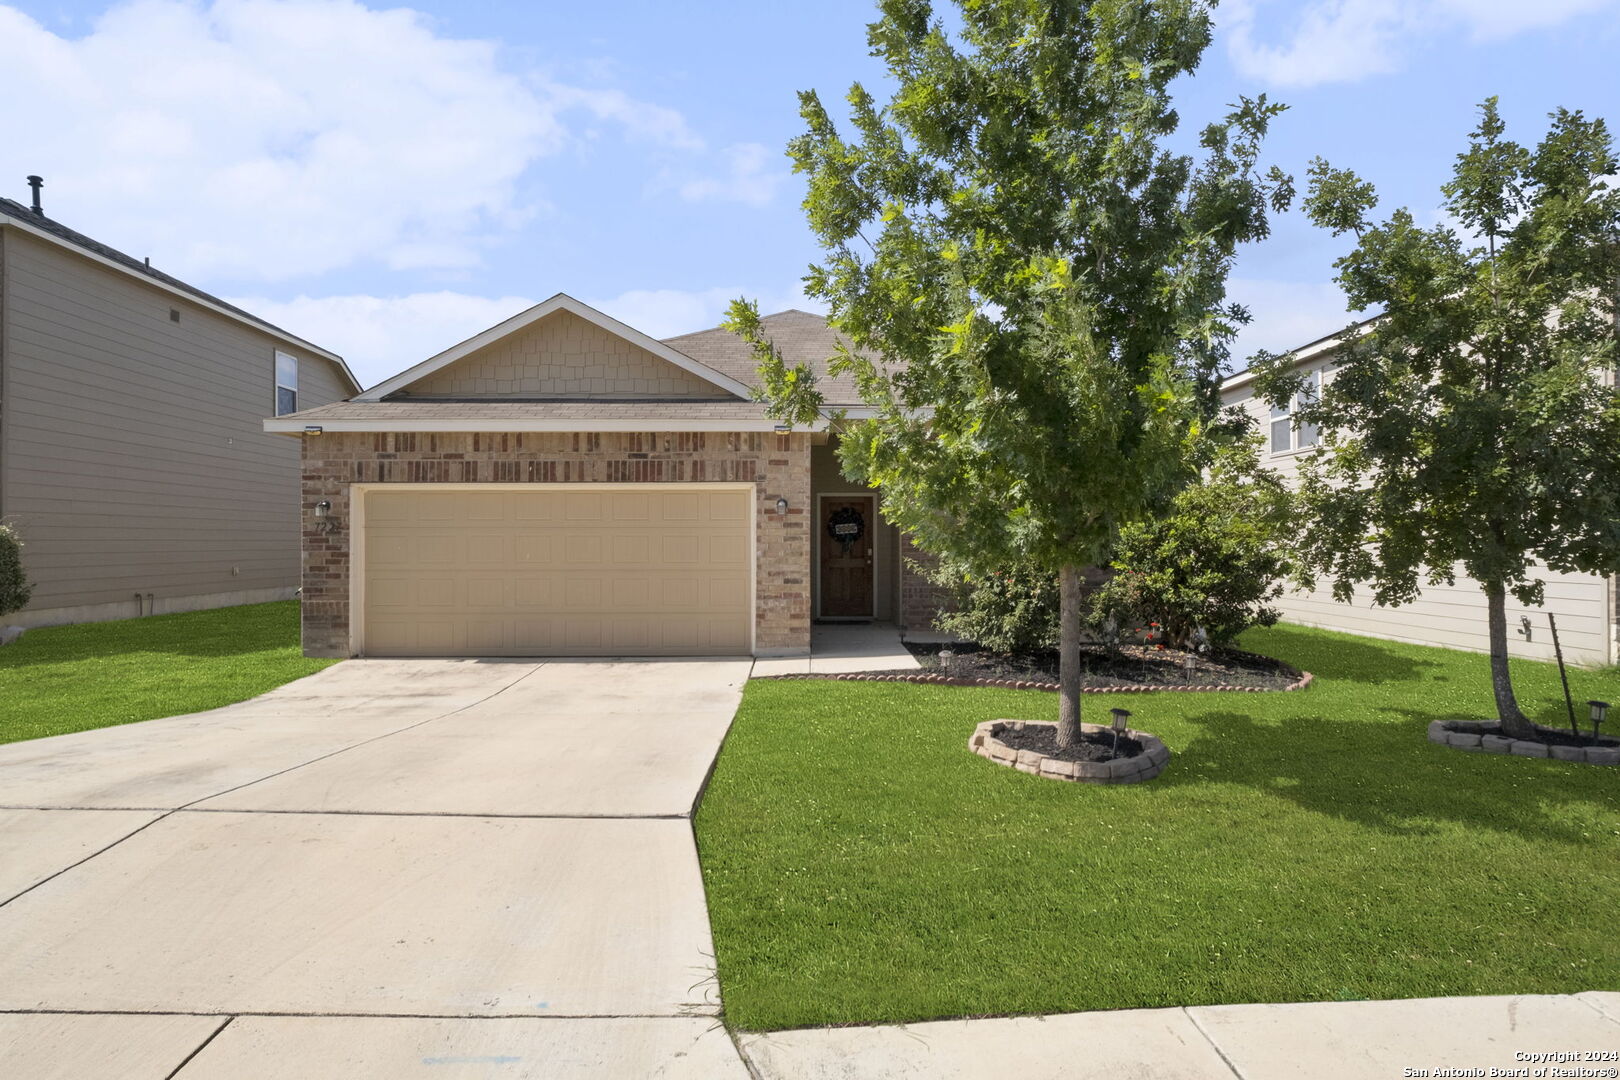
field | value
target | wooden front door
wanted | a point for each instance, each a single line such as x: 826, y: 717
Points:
x: 845, y: 535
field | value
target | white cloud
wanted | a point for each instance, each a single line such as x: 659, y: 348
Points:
x: 1287, y: 314
x: 1487, y: 19
x: 380, y: 336
x: 271, y: 139
x: 747, y: 177
x: 1328, y: 41
x: 654, y: 123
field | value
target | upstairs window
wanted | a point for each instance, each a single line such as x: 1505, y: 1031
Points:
x: 1287, y: 435
x: 286, y: 384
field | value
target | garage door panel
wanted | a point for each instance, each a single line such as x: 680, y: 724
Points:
x: 489, y: 549
x: 537, y: 592
x: 549, y: 572
x: 537, y: 548
x: 437, y: 550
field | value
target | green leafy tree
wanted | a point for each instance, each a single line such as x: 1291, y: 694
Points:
x: 14, y: 587
x: 1043, y: 280
x: 1475, y: 422
x: 1213, y: 562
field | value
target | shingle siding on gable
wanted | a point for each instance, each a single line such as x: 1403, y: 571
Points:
x: 562, y: 355
x: 133, y: 456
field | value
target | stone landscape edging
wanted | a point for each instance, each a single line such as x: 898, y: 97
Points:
x: 1127, y: 770
x: 1301, y: 683
x: 1470, y: 735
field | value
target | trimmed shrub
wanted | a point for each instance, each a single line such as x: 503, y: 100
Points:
x: 14, y: 587
x: 1213, y: 562
x: 1009, y: 610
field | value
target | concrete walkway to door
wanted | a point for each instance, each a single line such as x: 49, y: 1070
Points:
x: 446, y: 868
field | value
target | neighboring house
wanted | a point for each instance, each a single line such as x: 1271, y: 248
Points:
x: 563, y: 484
x: 1587, y: 607
x: 133, y: 461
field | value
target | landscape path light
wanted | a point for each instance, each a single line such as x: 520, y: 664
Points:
x: 1120, y: 716
x: 1600, y: 711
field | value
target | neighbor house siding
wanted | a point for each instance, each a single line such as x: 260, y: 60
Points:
x: 1453, y: 615
x: 133, y: 457
x: 778, y: 466
x: 564, y: 356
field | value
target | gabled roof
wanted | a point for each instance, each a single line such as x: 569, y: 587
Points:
x: 802, y: 337
x: 15, y: 215
x: 1311, y: 350
x: 559, y: 302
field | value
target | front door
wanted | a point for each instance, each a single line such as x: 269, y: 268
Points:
x: 846, y: 556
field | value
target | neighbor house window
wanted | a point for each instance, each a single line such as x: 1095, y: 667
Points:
x: 286, y: 384
x: 1286, y: 434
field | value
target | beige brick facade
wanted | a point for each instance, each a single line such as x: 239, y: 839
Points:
x: 920, y: 599
x: 778, y: 466
x: 562, y: 355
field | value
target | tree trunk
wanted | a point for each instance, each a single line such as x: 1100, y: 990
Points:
x: 1514, y: 723
x: 1068, y: 729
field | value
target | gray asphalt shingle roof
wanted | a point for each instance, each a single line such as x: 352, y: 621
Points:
x: 803, y: 338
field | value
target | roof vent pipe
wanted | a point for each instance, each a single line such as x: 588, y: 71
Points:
x: 36, y: 183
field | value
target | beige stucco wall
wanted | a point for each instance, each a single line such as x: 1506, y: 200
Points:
x: 132, y: 452
x: 1453, y: 615
x: 778, y: 466
x: 562, y: 355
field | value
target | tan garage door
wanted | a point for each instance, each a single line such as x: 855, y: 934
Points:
x: 652, y: 570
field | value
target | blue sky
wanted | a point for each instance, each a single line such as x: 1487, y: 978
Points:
x: 387, y: 181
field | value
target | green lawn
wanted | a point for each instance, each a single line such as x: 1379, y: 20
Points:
x: 70, y: 678
x: 862, y: 866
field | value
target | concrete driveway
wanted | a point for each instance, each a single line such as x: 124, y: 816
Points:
x: 447, y: 868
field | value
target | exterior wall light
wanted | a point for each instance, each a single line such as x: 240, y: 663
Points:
x: 783, y: 429
x: 781, y: 506
x: 313, y: 429
x: 1600, y: 711
x: 323, y: 508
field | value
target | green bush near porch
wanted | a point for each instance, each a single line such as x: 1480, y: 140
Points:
x: 71, y: 678
x: 862, y: 866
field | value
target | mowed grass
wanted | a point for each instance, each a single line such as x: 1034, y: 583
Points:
x: 863, y: 866
x: 71, y: 678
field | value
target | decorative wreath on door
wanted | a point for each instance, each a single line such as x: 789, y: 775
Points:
x: 846, y: 525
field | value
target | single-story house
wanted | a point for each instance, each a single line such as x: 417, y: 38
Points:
x: 1586, y: 606
x: 134, y: 463
x: 564, y: 484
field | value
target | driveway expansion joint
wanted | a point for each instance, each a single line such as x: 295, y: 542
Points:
x: 200, y: 1048
x: 1213, y: 1045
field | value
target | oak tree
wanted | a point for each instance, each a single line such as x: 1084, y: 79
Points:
x: 1032, y: 279
x: 1474, y: 423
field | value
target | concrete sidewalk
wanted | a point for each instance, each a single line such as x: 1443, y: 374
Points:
x: 842, y: 648
x: 1364, y: 1040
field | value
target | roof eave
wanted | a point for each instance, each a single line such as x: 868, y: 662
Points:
x: 317, y: 425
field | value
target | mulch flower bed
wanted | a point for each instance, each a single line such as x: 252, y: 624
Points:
x: 1030, y: 746
x: 1091, y: 746
x: 1128, y: 669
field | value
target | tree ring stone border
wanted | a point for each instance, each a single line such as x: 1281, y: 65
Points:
x: 1132, y: 770
x: 1477, y: 736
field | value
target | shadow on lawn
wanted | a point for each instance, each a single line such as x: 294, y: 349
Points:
x: 1359, y: 660
x: 1386, y: 776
